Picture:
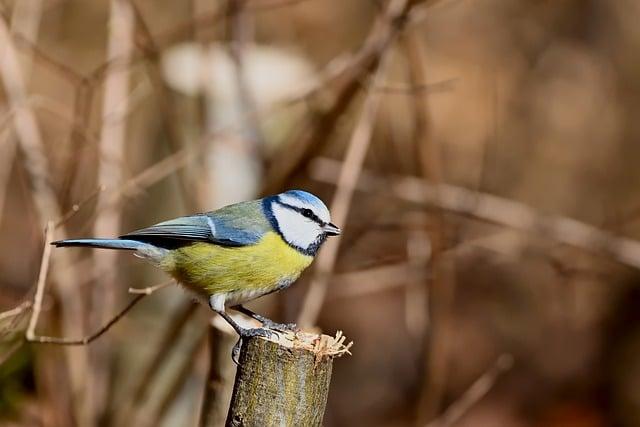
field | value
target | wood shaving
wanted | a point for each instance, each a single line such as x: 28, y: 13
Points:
x: 321, y: 345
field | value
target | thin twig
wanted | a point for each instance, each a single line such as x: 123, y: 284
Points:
x: 110, y: 165
x: 417, y: 296
x: 57, y: 109
x: 152, y: 367
x: 437, y: 293
x: 219, y: 381
x: 183, y: 157
x: 149, y: 290
x: 474, y: 393
x: 351, y: 69
x: 423, y: 11
x: 181, y: 317
x: 167, y: 108
x: 340, y: 206
x: 13, y: 319
x: 76, y: 207
x: 15, y: 311
x: 8, y: 149
x: 366, y: 282
x: 210, y: 19
x: 266, y: 5
x: 7, y: 355
x: 26, y: 126
x: 152, y: 174
x: 36, y: 163
x: 42, y: 278
x: 25, y: 19
x: 25, y: 43
x: 89, y: 338
x: 240, y: 33
x: 155, y: 416
x: 369, y: 281
x: 415, y: 88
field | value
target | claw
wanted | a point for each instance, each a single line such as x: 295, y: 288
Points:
x: 257, y: 332
x: 249, y: 333
x: 235, y: 352
x: 282, y: 327
x: 266, y: 322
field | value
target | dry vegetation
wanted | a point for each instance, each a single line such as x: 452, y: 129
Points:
x: 481, y: 155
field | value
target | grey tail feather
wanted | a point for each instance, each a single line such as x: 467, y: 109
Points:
x: 131, y: 245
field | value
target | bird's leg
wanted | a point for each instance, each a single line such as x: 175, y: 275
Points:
x: 265, y: 321
x: 216, y: 302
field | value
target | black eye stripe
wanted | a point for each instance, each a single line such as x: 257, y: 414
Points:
x: 301, y: 211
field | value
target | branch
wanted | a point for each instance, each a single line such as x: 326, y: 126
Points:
x: 131, y: 407
x: 30, y: 335
x: 415, y: 88
x: 75, y: 208
x: 362, y: 283
x: 175, y: 384
x: 219, y: 381
x: 7, y: 355
x: 437, y: 294
x: 149, y: 290
x: 110, y: 165
x: 493, y: 209
x: 42, y: 278
x: 342, y: 65
x: 8, y: 149
x: 348, y: 176
x: 32, y: 146
x: 240, y: 35
x: 265, y: 5
x: 25, y: 18
x: 89, y: 338
x: 15, y: 311
x: 474, y: 393
x: 167, y: 108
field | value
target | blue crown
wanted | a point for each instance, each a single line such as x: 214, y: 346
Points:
x: 306, y: 197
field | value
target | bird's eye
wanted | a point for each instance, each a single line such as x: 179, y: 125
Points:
x: 307, y: 213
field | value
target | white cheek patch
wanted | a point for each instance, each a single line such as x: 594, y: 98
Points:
x: 321, y: 211
x: 296, y: 229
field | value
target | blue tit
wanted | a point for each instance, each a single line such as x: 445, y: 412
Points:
x: 235, y: 254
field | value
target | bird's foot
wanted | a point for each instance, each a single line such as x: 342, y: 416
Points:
x: 249, y: 333
x: 257, y: 332
x: 282, y: 327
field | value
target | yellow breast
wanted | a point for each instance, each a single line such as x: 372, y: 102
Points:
x: 209, y: 269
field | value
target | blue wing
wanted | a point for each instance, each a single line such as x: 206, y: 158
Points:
x: 236, y: 225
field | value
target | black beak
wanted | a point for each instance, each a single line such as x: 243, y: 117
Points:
x: 331, y: 229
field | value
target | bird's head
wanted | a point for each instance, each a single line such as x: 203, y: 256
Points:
x: 301, y: 219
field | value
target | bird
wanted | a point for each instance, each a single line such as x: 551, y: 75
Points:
x: 235, y: 254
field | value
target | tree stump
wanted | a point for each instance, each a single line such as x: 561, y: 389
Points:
x: 284, y: 381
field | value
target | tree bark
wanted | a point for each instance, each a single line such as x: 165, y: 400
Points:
x: 284, y: 382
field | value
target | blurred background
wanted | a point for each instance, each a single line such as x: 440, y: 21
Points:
x: 481, y: 157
